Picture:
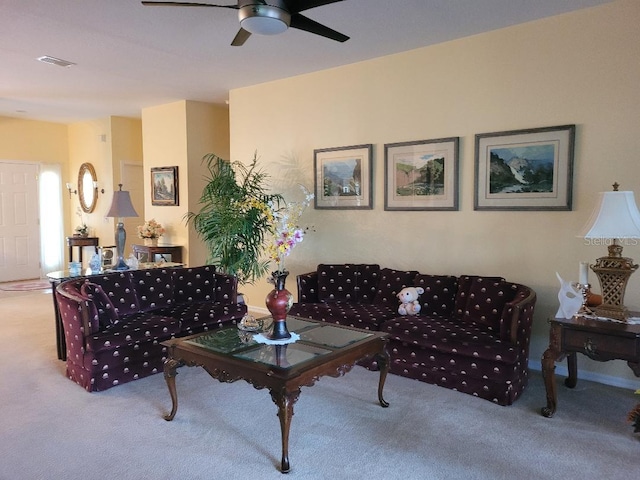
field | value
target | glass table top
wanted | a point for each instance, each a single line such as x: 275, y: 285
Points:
x: 316, y: 339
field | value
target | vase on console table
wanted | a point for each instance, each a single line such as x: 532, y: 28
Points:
x: 279, y: 302
x: 150, y: 242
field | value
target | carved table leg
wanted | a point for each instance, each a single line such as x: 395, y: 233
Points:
x: 635, y: 367
x: 170, y: 373
x: 548, y: 374
x: 572, y: 367
x: 383, y: 363
x: 285, y: 400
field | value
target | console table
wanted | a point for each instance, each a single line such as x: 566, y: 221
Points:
x: 151, y: 251
x: 598, y: 339
x: 81, y: 242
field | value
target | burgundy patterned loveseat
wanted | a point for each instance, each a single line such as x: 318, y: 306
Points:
x: 472, y: 333
x: 114, y: 323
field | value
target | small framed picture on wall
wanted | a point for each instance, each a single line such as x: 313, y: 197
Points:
x: 164, y: 186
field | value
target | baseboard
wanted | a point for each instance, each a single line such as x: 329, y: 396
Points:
x: 591, y: 376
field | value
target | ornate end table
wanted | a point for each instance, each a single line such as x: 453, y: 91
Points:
x: 597, y: 338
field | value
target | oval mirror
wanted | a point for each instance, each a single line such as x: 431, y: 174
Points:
x: 87, y: 187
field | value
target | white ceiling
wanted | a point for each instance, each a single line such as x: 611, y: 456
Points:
x: 129, y: 56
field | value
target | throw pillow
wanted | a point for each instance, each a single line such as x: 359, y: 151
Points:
x: 462, y: 295
x: 336, y: 283
x: 153, y: 287
x: 107, y: 314
x: 390, y: 283
x: 486, y: 301
x: 439, y: 293
x: 197, y: 284
x: 367, y: 277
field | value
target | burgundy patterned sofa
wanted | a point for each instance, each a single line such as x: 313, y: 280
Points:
x: 114, y: 323
x: 472, y: 333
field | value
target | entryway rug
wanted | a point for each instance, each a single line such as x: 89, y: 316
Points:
x: 25, y: 286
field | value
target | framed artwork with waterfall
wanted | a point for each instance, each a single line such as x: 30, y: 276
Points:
x: 525, y: 169
x: 421, y: 175
x: 343, y: 177
x: 164, y: 186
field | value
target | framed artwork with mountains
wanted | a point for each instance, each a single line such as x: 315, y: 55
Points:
x: 525, y: 169
x: 421, y: 175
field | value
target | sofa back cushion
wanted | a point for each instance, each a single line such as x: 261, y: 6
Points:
x: 390, y: 283
x: 367, y: 278
x: 120, y: 290
x: 439, y: 293
x: 197, y: 284
x: 462, y: 295
x: 104, y: 309
x: 154, y: 288
x: 486, y: 300
x: 337, y: 283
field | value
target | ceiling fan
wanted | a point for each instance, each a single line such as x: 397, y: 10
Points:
x: 269, y: 17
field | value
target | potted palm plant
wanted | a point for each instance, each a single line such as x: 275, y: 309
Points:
x: 236, y: 216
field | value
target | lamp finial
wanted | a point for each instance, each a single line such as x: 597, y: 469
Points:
x: 615, y: 186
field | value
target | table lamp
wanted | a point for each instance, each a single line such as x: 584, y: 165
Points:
x: 615, y: 218
x: 121, y: 207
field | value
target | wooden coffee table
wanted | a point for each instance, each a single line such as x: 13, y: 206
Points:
x: 229, y: 354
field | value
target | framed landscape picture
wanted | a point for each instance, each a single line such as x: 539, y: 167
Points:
x: 343, y: 177
x: 164, y: 186
x: 421, y: 175
x: 525, y: 169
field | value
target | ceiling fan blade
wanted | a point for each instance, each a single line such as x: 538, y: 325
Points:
x: 186, y: 4
x: 304, y: 23
x: 295, y: 6
x: 240, y: 37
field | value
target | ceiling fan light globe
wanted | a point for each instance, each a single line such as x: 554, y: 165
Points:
x: 264, y: 19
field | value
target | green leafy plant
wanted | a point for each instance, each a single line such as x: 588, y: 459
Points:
x: 236, y: 217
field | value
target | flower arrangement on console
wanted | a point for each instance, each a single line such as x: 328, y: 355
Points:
x: 82, y: 229
x: 151, y: 229
x: 287, y: 232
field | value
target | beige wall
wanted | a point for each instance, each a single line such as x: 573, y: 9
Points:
x: 580, y: 68
x: 180, y: 134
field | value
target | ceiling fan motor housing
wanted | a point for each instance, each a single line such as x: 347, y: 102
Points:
x: 263, y: 18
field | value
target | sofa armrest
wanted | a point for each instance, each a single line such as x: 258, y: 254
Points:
x: 226, y: 288
x: 517, y: 317
x: 78, y: 316
x: 308, y: 287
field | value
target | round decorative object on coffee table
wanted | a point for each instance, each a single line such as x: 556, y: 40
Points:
x: 279, y: 302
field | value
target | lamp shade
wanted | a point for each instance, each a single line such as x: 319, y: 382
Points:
x: 616, y: 216
x: 121, y: 205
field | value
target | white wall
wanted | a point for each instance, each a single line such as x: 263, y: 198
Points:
x: 580, y: 68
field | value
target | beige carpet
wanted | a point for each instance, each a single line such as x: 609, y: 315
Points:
x: 52, y: 429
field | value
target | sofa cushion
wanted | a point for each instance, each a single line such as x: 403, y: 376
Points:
x: 462, y: 295
x: 439, y: 293
x: 137, y: 328
x: 337, y: 283
x: 154, y: 288
x: 358, y: 315
x: 485, y: 302
x: 196, y: 284
x: 367, y: 278
x: 104, y: 309
x: 120, y: 289
x: 390, y: 283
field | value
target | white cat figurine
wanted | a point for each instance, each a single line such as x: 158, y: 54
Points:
x: 570, y: 298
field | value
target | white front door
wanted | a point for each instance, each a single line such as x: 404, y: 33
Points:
x: 19, y: 223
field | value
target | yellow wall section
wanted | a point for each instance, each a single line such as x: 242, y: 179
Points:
x: 180, y: 134
x: 580, y: 68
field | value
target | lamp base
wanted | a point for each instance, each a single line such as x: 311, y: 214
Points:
x: 613, y: 273
x: 121, y: 265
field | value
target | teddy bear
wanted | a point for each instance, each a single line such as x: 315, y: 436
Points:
x: 409, y: 304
